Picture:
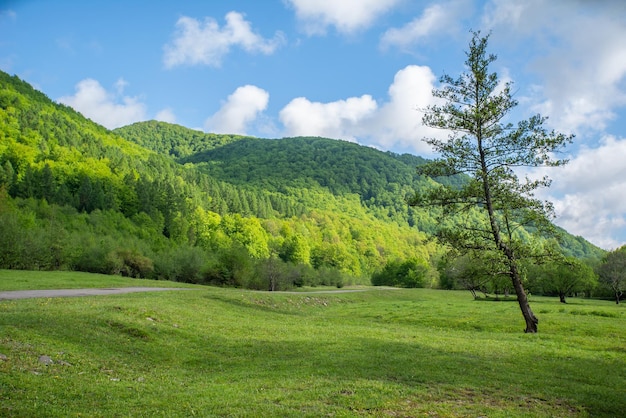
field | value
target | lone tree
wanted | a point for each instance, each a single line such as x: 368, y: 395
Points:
x: 612, y: 272
x: 567, y: 276
x: 482, y: 145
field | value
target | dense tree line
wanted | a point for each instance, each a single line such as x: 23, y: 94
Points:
x: 559, y: 276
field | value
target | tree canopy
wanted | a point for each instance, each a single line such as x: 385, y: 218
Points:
x: 612, y: 272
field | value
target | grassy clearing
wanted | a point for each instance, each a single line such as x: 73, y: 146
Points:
x: 228, y: 352
x: 28, y: 280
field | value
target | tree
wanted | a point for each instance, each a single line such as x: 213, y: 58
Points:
x: 567, y: 276
x: 612, y: 272
x: 407, y: 273
x: 483, y: 146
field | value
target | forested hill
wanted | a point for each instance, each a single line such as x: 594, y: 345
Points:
x: 160, y: 200
x: 340, y: 166
x: 74, y: 195
x: 173, y: 140
x: 382, y: 180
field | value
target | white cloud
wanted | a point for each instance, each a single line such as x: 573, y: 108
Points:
x: 579, y: 55
x: 436, y: 19
x: 166, y: 115
x: 120, y: 85
x: 241, y: 108
x: 206, y: 43
x: 398, y: 124
x: 588, y: 193
x: 339, y: 119
x: 392, y: 124
x: 346, y: 16
x: 108, y: 109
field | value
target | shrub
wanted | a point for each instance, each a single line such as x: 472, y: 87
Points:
x: 184, y: 264
x: 409, y: 273
x: 134, y: 264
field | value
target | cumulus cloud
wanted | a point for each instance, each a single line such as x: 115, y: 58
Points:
x: 166, y: 115
x: 580, y: 57
x: 111, y: 110
x: 588, y: 193
x: 436, y: 19
x: 346, y: 16
x: 241, y: 109
x: 395, y: 123
x: 206, y: 43
x: 339, y: 119
x: 398, y: 124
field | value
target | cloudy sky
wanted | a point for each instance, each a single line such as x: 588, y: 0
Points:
x: 359, y: 70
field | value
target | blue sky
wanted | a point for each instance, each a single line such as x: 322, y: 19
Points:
x: 359, y: 70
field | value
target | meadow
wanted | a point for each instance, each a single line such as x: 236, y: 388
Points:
x: 238, y: 353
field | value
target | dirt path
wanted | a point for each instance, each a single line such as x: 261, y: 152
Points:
x: 57, y: 293
x: 61, y: 293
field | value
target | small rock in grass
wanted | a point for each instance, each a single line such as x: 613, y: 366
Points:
x: 3, y: 357
x: 45, y: 360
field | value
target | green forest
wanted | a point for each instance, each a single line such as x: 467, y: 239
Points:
x: 161, y: 201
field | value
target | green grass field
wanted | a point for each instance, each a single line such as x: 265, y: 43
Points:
x: 237, y: 353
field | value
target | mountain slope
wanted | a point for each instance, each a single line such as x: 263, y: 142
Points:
x: 173, y: 140
x: 381, y: 180
x: 75, y: 195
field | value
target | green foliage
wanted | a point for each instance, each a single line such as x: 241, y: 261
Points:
x: 475, y: 271
x: 612, y: 272
x: 381, y: 180
x: 173, y: 140
x: 562, y: 277
x: 183, y: 264
x: 408, y: 273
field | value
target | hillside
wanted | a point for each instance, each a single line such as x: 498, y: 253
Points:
x: 163, y: 201
x: 77, y: 196
x: 173, y: 140
x: 380, y: 180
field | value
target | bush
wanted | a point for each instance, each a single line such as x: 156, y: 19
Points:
x: 409, y: 273
x: 183, y: 264
x: 232, y: 267
x: 133, y: 264
x: 97, y: 256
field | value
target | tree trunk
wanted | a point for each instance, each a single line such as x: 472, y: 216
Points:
x: 529, y: 317
x: 562, y: 297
